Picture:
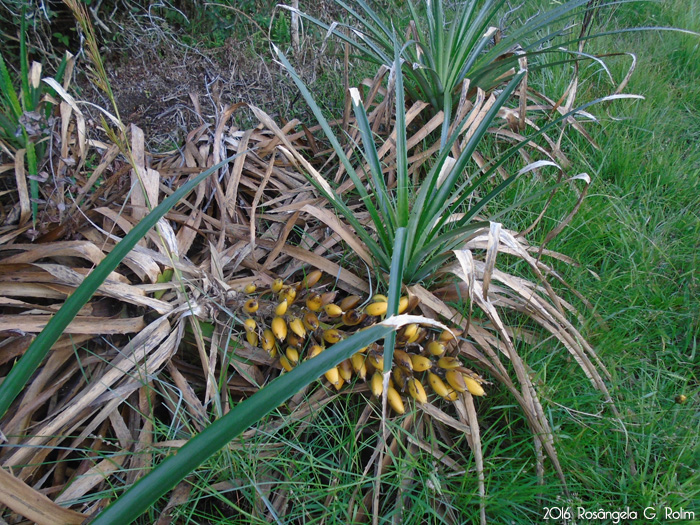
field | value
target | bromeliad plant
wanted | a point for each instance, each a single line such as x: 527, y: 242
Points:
x: 442, y: 47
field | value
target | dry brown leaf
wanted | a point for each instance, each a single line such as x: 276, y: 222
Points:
x: 33, y: 505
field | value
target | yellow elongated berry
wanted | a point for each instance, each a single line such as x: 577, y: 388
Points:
x: 415, y: 388
x: 376, y: 360
x: 314, y: 302
x: 376, y: 384
x: 296, y: 326
x: 358, y: 362
x: 289, y: 294
x: 379, y: 298
x: 328, y: 297
x: 410, y: 330
x: 333, y: 376
x: 277, y: 285
x: 437, y: 385
x: 314, y: 351
x: 361, y: 371
x: 436, y: 348
x: 310, y: 321
x: 350, y: 302
x: 353, y: 317
x: 345, y: 370
x: 250, y: 325
x: 376, y: 309
x: 332, y: 336
x: 250, y: 288
x: 294, y: 340
x: 268, y: 340
x: 395, y: 401
x: 286, y: 364
x: 449, y: 362
x: 252, y: 338
x: 403, y: 304
x: 333, y: 310
x: 447, y: 335
x: 251, y: 306
x: 451, y: 395
x: 281, y: 308
x: 420, y: 363
x: 311, y: 278
x: 279, y: 328
x: 419, y: 335
x: 473, y: 386
x: 400, y: 377
x: 293, y: 355
x: 402, y: 359
x: 456, y: 380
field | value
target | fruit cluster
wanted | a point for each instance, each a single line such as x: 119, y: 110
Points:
x: 294, y: 322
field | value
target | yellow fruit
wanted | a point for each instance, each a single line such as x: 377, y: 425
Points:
x: 379, y: 298
x: 449, y: 362
x: 289, y: 294
x: 333, y: 310
x: 332, y: 336
x: 251, y: 306
x: 376, y: 309
x: 402, y: 359
x: 419, y: 335
x: 455, y: 379
x: 281, y: 308
x: 314, y: 351
x: 328, y: 297
x: 400, y: 377
x: 311, y: 278
x: 420, y: 363
x: 376, y: 384
x: 333, y: 376
x: 294, y: 340
x: 296, y: 326
x: 353, y: 317
x: 395, y: 401
x: 286, y: 364
x: 409, y: 331
x: 339, y: 384
x: 415, y: 388
x: 403, y: 304
x: 447, y: 335
x: 268, y: 340
x: 293, y: 355
x: 250, y: 325
x: 350, y: 302
x: 451, y: 395
x: 358, y: 364
x: 436, y: 348
x: 345, y: 370
x: 279, y: 328
x: 252, y: 338
x: 437, y: 384
x: 310, y: 321
x: 277, y: 285
x: 314, y: 302
x: 376, y: 360
x: 473, y: 386
x: 358, y: 361
x: 250, y: 288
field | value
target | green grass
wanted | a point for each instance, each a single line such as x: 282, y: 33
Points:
x: 639, y: 230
